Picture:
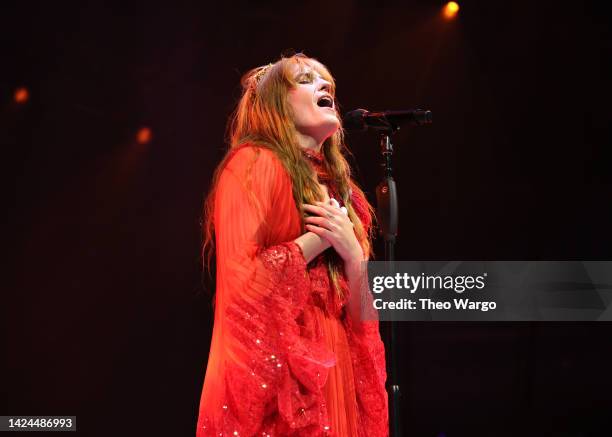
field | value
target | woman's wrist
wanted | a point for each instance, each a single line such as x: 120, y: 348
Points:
x: 355, y: 262
x: 311, y: 245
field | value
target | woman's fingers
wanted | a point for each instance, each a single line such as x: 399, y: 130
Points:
x: 326, y: 223
x: 341, y: 214
x: 321, y: 232
x: 323, y: 206
x: 327, y: 206
x: 316, y: 210
x: 328, y: 220
x: 330, y: 213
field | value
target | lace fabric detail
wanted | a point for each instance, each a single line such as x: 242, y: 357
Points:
x: 316, y: 158
x: 270, y: 362
x: 279, y: 390
x: 323, y: 294
x: 368, y: 355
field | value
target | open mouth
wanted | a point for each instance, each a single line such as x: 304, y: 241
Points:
x: 325, y: 102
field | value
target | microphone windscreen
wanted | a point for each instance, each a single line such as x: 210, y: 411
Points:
x: 353, y: 120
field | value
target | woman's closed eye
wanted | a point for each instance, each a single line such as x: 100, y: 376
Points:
x: 305, y: 78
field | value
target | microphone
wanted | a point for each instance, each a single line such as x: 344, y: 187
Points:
x: 361, y: 120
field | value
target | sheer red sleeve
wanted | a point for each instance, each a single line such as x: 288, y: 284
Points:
x: 263, y: 376
x: 368, y: 353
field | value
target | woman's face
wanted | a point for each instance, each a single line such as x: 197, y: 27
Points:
x: 312, y: 104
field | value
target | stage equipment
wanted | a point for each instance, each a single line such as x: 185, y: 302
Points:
x: 388, y: 122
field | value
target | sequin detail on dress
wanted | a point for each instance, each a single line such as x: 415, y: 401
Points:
x: 270, y: 360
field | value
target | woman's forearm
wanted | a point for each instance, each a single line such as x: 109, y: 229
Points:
x: 359, y: 306
x: 311, y: 245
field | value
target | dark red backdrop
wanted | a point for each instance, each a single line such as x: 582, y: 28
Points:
x: 105, y: 315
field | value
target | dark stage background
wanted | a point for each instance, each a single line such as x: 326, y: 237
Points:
x: 105, y: 315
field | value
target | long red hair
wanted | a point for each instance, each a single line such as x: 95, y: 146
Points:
x: 263, y: 117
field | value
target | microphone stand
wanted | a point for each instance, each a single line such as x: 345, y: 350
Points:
x: 387, y: 122
x: 387, y: 212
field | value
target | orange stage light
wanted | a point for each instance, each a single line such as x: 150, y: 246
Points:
x: 144, y: 135
x: 450, y: 10
x: 21, y: 95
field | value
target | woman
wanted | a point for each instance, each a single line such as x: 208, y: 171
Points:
x: 290, y: 354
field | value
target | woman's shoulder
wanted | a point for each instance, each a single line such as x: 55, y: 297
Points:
x: 249, y: 155
x: 255, y: 164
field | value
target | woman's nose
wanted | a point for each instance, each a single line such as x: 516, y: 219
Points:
x: 325, y: 86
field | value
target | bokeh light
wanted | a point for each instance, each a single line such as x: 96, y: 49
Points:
x: 144, y: 135
x: 450, y: 10
x: 22, y: 95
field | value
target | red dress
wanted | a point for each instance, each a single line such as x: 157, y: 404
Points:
x: 284, y: 359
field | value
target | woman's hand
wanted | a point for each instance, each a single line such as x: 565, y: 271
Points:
x: 310, y: 243
x: 332, y: 223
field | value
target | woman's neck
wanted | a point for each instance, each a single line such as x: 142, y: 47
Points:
x: 309, y: 143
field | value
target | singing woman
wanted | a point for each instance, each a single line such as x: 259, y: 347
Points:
x: 291, y: 353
